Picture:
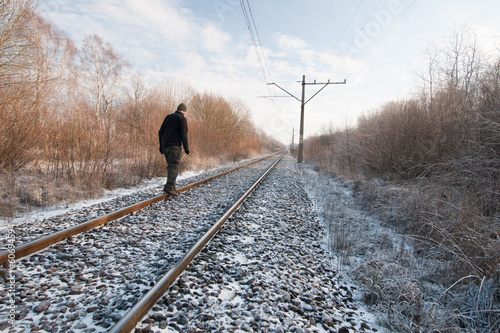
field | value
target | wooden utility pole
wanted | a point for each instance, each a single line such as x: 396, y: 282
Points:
x: 303, y: 102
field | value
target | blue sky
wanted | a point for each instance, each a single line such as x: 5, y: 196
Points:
x: 376, y: 45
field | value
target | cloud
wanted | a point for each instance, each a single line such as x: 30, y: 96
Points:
x: 214, y: 39
x: 174, y: 24
x: 291, y: 43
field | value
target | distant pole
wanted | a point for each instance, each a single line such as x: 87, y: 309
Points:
x: 301, y: 133
x: 293, y: 138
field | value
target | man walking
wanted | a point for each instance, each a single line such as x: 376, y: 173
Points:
x: 173, y: 132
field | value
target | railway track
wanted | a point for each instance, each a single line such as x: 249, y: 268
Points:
x: 268, y: 257
x: 41, y: 243
x: 132, y: 317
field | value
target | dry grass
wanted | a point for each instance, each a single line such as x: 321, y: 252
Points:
x: 429, y: 168
x: 413, y: 284
x: 451, y: 261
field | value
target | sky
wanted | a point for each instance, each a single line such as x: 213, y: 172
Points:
x: 258, y: 51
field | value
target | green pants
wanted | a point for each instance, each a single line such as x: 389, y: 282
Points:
x: 173, y: 157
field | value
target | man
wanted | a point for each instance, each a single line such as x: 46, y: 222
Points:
x: 172, y: 134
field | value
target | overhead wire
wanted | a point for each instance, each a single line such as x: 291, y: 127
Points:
x: 250, y: 22
x: 384, y: 34
x: 346, y: 26
x: 367, y: 20
x: 362, y: 27
x: 259, y: 43
x: 394, y: 24
x: 254, y: 36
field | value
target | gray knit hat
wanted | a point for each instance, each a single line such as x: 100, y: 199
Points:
x: 182, y: 107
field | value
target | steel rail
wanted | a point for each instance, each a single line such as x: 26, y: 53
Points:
x: 142, y: 307
x: 46, y: 241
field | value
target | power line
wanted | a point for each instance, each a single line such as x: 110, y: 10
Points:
x: 347, y: 25
x: 393, y: 25
x: 254, y: 36
x: 367, y: 20
x: 389, y: 29
x: 383, y: 35
x: 258, y: 40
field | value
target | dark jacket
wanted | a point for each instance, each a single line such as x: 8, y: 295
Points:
x: 173, y: 131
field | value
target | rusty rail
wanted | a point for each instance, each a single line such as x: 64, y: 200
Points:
x: 141, y: 308
x: 44, y: 242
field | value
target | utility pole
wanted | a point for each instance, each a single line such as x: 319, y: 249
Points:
x: 292, y: 145
x: 303, y: 102
x: 301, y: 131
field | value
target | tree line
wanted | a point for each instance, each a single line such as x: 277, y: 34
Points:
x: 430, y: 166
x: 77, y: 119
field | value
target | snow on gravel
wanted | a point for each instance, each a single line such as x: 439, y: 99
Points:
x: 48, y: 220
x: 270, y: 268
x: 87, y: 282
x: 267, y: 270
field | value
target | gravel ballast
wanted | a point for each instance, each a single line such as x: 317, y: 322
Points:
x: 267, y: 270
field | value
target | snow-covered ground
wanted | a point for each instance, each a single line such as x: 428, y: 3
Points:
x: 275, y: 270
x: 268, y: 270
x: 48, y: 212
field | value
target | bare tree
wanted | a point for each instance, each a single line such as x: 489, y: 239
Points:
x: 139, y: 121
x: 102, y: 70
x: 429, y: 76
x: 14, y: 20
x: 33, y: 59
